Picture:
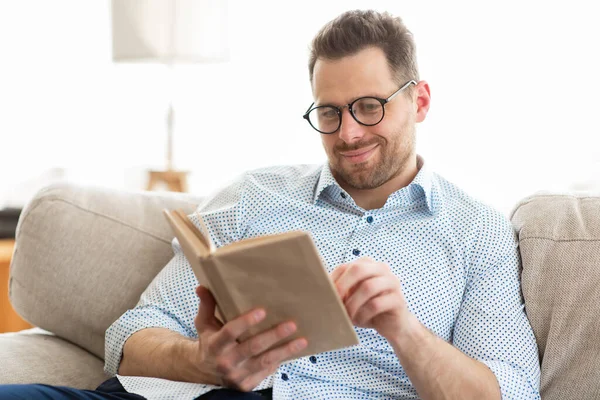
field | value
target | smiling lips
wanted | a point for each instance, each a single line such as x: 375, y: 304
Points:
x: 358, y: 156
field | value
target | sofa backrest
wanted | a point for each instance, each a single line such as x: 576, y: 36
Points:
x: 84, y: 255
x: 559, y: 238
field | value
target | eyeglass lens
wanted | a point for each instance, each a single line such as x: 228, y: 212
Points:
x: 367, y: 111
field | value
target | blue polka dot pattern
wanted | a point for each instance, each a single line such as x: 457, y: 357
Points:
x: 457, y: 260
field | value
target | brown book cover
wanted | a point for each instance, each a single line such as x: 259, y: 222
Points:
x: 283, y: 273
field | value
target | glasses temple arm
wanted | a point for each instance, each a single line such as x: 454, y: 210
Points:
x: 407, y: 84
x: 312, y: 104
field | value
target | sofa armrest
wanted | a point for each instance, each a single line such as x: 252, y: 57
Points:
x: 97, y: 248
x: 37, y: 356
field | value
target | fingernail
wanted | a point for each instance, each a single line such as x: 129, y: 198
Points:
x: 289, y: 327
x: 259, y: 314
x: 300, y: 344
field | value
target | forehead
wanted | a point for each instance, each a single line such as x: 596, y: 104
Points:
x: 364, y: 73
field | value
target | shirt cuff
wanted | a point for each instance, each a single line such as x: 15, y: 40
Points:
x: 513, y: 384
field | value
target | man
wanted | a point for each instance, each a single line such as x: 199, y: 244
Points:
x: 429, y: 277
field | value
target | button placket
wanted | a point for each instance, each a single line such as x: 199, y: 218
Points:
x: 358, y: 235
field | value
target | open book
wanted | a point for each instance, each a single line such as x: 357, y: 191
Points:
x: 283, y: 273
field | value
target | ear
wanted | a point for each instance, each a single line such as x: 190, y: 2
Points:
x: 422, y: 101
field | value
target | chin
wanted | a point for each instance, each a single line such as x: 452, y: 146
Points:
x: 361, y: 180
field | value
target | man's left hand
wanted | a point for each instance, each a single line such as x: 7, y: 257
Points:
x: 372, y: 295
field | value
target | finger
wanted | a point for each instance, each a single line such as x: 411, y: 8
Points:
x: 231, y: 331
x: 356, y: 273
x: 245, y: 381
x: 377, y: 306
x: 256, y: 366
x: 338, y: 272
x: 253, y: 380
x: 368, y: 289
x: 206, y: 311
x: 267, y: 361
x: 262, y: 342
x: 276, y: 356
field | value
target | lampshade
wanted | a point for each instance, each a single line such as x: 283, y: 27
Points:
x: 169, y: 31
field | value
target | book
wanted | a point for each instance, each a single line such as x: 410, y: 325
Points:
x: 282, y: 273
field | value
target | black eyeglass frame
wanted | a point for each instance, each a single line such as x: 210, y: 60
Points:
x: 383, y: 102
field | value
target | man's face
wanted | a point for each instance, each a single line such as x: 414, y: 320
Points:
x: 365, y: 157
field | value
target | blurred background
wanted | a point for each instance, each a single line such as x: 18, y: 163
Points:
x: 514, y: 96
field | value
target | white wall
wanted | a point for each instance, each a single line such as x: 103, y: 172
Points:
x: 514, y: 95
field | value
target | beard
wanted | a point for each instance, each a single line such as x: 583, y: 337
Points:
x: 395, y: 152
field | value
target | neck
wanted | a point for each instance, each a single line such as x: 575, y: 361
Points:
x: 371, y: 199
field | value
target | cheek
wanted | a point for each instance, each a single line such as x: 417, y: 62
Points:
x: 395, y: 131
x: 381, y: 135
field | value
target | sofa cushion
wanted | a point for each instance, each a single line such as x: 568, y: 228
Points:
x: 84, y: 255
x: 36, y: 356
x: 559, y: 238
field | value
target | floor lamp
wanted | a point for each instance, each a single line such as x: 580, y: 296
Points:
x: 169, y: 32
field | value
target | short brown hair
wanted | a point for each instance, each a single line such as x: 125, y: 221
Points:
x: 356, y: 30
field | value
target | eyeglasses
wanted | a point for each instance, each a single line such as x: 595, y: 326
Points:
x: 367, y: 111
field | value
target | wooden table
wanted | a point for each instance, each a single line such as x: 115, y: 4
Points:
x: 9, y: 319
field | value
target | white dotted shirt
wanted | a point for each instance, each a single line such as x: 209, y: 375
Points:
x: 456, y: 258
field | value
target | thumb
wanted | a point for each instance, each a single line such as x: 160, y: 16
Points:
x: 206, y: 312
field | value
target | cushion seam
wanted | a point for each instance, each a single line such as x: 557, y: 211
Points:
x: 94, y: 213
x: 563, y: 195
x: 558, y: 240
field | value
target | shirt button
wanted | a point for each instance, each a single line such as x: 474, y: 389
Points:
x: 313, y: 359
x: 284, y: 377
x: 370, y: 219
x: 356, y: 252
x: 343, y: 195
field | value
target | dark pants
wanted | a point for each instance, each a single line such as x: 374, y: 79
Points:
x: 109, y: 390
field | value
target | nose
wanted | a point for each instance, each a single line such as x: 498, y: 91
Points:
x: 350, y: 130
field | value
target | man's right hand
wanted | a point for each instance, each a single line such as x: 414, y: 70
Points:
x: 224, y: 361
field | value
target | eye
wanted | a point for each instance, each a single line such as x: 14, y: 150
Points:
x: 367, y: 106
x: 327, y: 113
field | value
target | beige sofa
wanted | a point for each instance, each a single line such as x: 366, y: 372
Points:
x: 84, y: 255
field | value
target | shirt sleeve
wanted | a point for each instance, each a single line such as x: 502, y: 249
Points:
x: 170, y: 300
x: 492, y: 326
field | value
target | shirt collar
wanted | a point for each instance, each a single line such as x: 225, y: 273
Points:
x: 326, y: 180
x: 424, y: 180
x: 421, y: 185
